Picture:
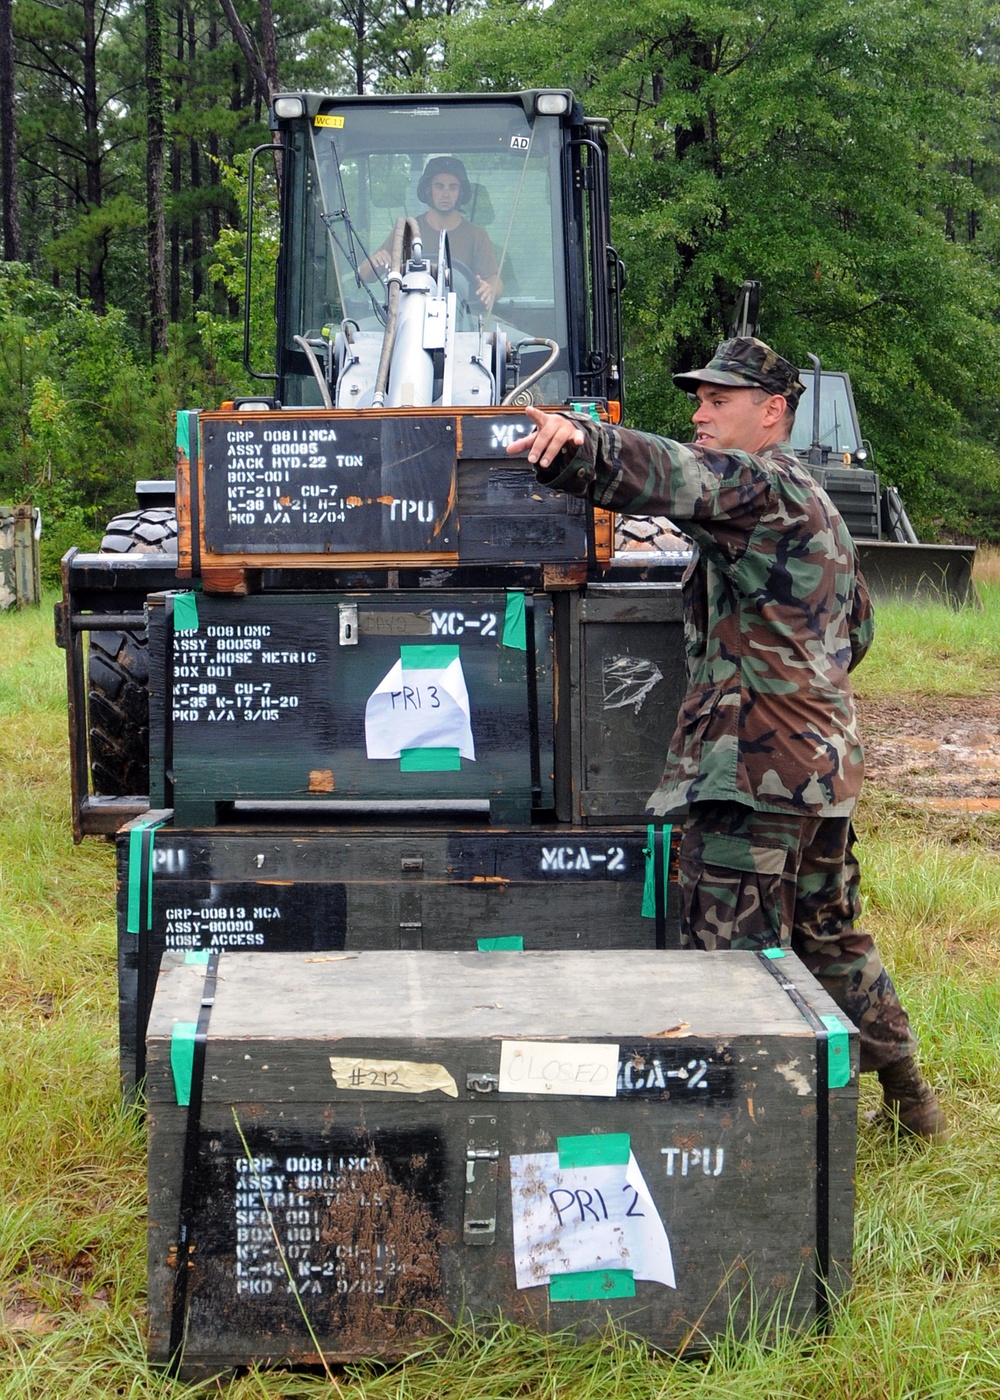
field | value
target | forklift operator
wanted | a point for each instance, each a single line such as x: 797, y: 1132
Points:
x: 766, y: 755
x: 444, y: 187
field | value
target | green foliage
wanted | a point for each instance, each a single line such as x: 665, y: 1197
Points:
x: 810, y: 146
x: 848, y: 156
x: 80, y: 418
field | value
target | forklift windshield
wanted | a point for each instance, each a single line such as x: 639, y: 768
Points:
x: 360, y: 166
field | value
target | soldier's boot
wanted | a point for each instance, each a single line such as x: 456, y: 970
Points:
x: 912, y: 1103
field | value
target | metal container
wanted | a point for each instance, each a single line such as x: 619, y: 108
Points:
x: 386, y: 1142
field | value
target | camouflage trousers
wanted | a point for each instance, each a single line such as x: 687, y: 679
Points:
x: 766, y: 880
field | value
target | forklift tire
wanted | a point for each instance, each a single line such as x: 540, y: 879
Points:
x: 118, y: 673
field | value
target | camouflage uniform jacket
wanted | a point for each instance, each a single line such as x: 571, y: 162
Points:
x: 776, y: 612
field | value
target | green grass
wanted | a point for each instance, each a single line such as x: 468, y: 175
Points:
x: 922, y: 1321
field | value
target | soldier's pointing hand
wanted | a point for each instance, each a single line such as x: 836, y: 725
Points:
x: 551, y: 435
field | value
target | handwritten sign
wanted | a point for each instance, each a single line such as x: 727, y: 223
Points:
x: 584, y: 1218
x: 421, y: 703
x: 552, y: 1067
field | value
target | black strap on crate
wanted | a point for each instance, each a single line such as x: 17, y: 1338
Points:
x: 532, y: 679
x: 168, y: 700
x: 822, y: 1034
x: 189, y: 1172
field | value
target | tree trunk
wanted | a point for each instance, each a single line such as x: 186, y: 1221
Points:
x: 156, y: 232
x: 93, y: 155
x: 239, y: 33
x: 270, y: 43
x: 175, y: 189
x: 8, y: 138
x: 194, y: 152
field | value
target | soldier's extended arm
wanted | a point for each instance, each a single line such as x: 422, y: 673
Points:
x: 640, y: 473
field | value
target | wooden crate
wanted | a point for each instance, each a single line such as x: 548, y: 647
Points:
x: 628, y: 680
x: 263, y: 699
x: 267, y: 890
x: 391, y: 1141
x: 312, y: 488
x: 266, y: 699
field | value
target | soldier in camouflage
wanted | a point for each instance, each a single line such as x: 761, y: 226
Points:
x: 766, y: 755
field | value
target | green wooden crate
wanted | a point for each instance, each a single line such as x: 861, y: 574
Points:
x: 364, y: 699
x: 395, y: 1141
x: 268, y: 890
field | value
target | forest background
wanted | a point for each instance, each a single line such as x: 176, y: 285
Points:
x: 847, y: 155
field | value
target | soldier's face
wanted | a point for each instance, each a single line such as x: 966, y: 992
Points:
x: 735, y: 419
x: 445, y: 190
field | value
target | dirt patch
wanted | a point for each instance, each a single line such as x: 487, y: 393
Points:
x: 941, y: 752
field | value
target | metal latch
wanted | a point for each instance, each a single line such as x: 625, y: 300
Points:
x: 482, y: 1082
x: 482, y: 1167
x: 348, y: 624
x: 411, y: 919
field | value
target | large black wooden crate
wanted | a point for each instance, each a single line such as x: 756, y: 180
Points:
x: 393, y: 1141
x: 315, y: 890
x: 358, y: 698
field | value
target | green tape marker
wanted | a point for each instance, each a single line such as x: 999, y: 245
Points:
x: 182, y: 1060
x: 135, y: 840
x: 185, y: 612
x: 589, y: 408
x: 838, y: 1053
x: 512, y: 943
x: 184, y: 433
x: 430, y: 761
x: 197, y: 955
x: 515, y: 633
x: 594, y: 1150
x: 648, y: 910
x: 596, y: 1284
x: 773, y: 953
x: 431, y: 658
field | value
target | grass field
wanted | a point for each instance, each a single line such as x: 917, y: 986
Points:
x: 923, y: 1319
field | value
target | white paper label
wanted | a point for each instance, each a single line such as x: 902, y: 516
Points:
x: 553, y: 1067
x: 578, y: 1219
x: 391, y: 1076
x: 425, y: 707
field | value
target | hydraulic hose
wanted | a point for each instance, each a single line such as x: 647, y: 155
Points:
x: 398, y: 248
x: 316, y: 368
x: 537, y: 374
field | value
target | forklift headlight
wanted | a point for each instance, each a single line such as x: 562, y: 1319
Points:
x: 287, y: 108
x: 551, y: 104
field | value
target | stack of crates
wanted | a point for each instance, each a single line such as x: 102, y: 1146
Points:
x: 383, y: 758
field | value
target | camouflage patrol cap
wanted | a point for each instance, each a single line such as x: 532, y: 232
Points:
x: 747, y: 363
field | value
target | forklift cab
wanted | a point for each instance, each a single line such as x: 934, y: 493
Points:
x: 534, y: 207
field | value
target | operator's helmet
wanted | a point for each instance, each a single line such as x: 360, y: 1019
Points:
x: 444, y: 165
